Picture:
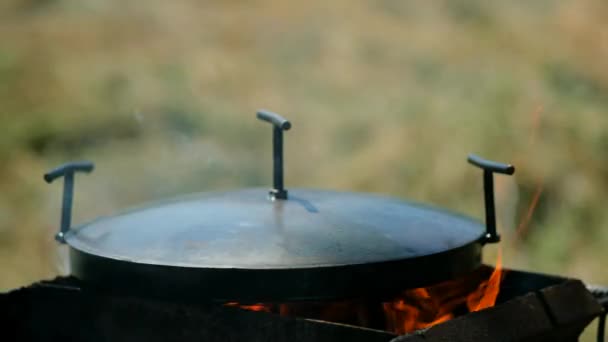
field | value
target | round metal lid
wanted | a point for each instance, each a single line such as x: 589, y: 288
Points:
x: 245, y: 230
x: 241, y: 245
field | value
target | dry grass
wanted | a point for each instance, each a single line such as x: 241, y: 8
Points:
x: 385, y: 96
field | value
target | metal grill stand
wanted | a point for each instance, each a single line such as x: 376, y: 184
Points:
x: 531, y: 307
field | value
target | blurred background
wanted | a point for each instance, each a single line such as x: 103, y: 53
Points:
x: 385, y: 96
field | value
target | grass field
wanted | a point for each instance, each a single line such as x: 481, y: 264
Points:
x: 385, y: 96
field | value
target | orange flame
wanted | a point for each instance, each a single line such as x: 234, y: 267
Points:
x: 413, y: 310
x: 522, y: 228
x: 253, y: 307
x: 487, y: 292
x: 424, y: 307
x: 417, y: 309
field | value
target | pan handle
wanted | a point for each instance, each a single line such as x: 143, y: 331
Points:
x: 274, y: 118
x: 67, y: 171
x: 489, y: 168
x: 280, y: 124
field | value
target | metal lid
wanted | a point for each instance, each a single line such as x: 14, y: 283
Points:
x: 305, y: 244
x: 244, y: 229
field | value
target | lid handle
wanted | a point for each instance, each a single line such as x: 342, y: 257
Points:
x: 279, y: 124
x: 489, y: 168
x: 67, y: 171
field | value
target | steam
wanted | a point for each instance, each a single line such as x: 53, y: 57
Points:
x: 62, y: 260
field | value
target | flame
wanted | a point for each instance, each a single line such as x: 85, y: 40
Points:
x: 415, y: 310
x: 412, y: 310
x: 424, y: 307
x: 487, y: 292
x: 522, y: 228
x: 253, y: 307
x: 536, y: 121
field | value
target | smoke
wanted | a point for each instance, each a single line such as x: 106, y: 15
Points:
x: 62, y: 260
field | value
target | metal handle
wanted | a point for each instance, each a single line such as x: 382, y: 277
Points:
x: 280, y: 124
x: 489, y: 168
x: 67, y: 171
x: 274, y: 119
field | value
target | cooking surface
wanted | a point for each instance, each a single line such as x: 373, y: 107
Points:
x: 243, y: 229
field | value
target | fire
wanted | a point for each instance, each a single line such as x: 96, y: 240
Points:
x: 487, y: 292
x: 522, y: 228
x: 523, y: 225
x: 254, y: 307
x: 424, y: 307
x: 410, y: 311
x: 415, y: 310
